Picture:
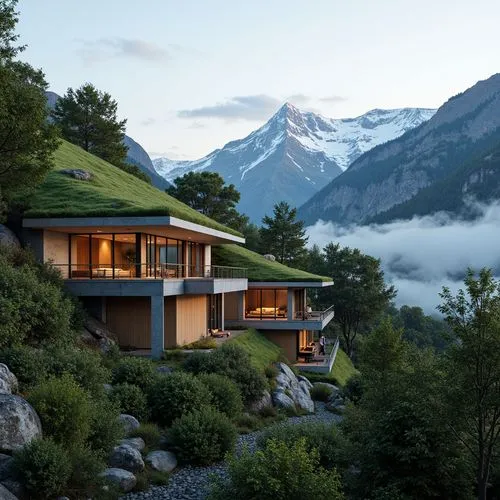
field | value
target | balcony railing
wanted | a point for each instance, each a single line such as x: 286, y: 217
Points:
x: 313, y: 315
x: 148, y: 271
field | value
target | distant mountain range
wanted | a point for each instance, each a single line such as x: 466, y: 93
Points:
x: 430, y: 168
x: 136, y: 154
x: 295, y: 154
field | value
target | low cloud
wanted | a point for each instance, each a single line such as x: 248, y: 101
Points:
x: 197, y: 125
x: 333, y: 98
x: 147, y: 122
x: 421, y: 255
x: 250, y: 107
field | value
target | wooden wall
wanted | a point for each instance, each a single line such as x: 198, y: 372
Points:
x: 286, y: 339
x: 231, y: 306
x: 170, y: 336
x: 191, y: 318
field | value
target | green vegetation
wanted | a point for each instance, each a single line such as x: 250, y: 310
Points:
x: 225, y: 394
x: 111, y: 192
x: 150, y: 433
x: 262, y: 352
x: 321, y: 392
x: 342, y: 371
x: 206, y: 343
x: 135, y: 371
x: 131, y: 400
x: 259, y: 268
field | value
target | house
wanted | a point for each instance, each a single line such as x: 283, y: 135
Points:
x: 143, y: 263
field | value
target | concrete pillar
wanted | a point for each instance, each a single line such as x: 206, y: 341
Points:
x: 222, y: 311
x: 290, y: 304
x: 157, y: 326
x: 241, y: 305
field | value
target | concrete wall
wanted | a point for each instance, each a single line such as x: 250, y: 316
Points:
x: 286, y: 339
x: 56, y: 249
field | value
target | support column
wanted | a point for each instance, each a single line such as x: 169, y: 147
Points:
x: 157, y: 326
x: 222, y: 311
x: 290, y: 305
x: 241, y: 305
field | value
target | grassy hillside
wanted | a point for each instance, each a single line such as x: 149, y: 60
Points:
x: 111, y: 192
x: 342, y: 371
x: 259, y: 269
x: 262, y: 351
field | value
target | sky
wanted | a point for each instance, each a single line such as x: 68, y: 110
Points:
x: 191, y: 75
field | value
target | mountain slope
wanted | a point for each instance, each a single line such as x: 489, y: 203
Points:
x: 295, y: 154
x: 466, y: 126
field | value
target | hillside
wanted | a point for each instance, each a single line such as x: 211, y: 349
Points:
x: 465, y: 127
x: 110, y: 192
x: 295, y: 154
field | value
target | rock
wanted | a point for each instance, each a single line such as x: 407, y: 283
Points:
x: 129, y: 423
x: 263, y: 402
x: 123, y: 479
x: 301, y: 378
x: 77, y: 173
x: 108, y: 388
x: 8, y: 238
x: 164, y: 370
x: 8, y: 381
x: 5, y: 466
x: 297, y: 389
x: 281, y: 400
x: 126, y: 457
x: 5, y: 494
x: 162, y: 461
x: 303, y: 401
x: 19, y: 423
x: 333, y: 388
x: 270, y: 257
x: 137, y: 443
x: 14, y: 487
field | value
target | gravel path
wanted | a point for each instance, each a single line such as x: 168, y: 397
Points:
x: 192, y: 483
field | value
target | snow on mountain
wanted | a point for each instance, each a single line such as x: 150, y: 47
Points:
x: 295, y: 154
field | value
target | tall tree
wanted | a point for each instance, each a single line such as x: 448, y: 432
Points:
x: 359, y: 293
x: 87, y: 117
x: 474, y: 369
x: 207, y: 193
x: 27, y: 141
x: 284, y: 236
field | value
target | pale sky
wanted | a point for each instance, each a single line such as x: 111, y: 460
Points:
x: 192, y: 75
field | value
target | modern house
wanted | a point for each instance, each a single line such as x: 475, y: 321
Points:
x: 156, y: 272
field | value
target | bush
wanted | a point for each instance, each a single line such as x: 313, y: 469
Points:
x: 86, y: 465
x: 325, y: 438
x: 131, y: 400
x: 43, y: 467
x: 136, y: 371
x: 150, y: 433
x: 278, y: 472
x: 247, y: 423
x: 203, y: 436
x: 271, y: 372
x: 226, y: 397
x: 172, y: 396
x: 105, y: 428
x: 199, y: 362
x: 64, y: 410
x: 353, y: 389
x: 321, y: 393
x: 26, y: 363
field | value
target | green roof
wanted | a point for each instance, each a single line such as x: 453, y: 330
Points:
x: 259, y: 268
x: 110, y: 192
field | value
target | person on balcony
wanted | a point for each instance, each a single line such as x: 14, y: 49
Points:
x: 322, y: 342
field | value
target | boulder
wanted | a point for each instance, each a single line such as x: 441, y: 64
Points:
x: 164, y: 370
x: 137, y: 443
x: 303, y: 400
x: 281, y: 400
x: 263, y: 402
x: 126, y: 457
x: 77, y: 173
x: 334, y: 390
x: 270, y: 257
x: 5, y: 494
x: 129, y: 423
x: 8, y: 238
x: 162, y: 461
x: 5, y: 466
x: 125, y: 480
x: 306, y: 381
x: 19, y: 423
x: 294, y: 388
x: 108, y: 388
x: 14, y: 487
x: 8, y: 381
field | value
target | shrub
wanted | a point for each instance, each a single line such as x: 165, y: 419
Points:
x: 199, y: 362
x: 271, y: 372
x: 278, y: 471
x: 105, y: 428
x: 26, y: 363
x: 321, y: 393
x: 86, y: 465
x: 174, y: 395
x: 136, y: 371
x: 64, y: 410
x: 353, y: 389
x: 203, y: 436
x: 226, y: 397
x: 131, y: 400
x: 247, y: 423
x: 43, y: 468
x: 268, y: 412
x: 327, y: 439
x: 150, y: 433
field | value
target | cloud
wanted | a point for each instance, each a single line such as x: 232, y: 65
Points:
x: 197, y: 125
x: 422, y: 255
x: 103, y: 49
x: 333, y: 98
x: 299, y: 99
x: 148, y: 122
x: 250, y: 107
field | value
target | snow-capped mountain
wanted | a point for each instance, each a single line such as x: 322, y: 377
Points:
x: 295, y: 154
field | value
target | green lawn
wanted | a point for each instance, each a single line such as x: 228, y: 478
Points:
x: 342, y: 371
x: 262, y: 351
x: 259, y: 269
x: 111, y: 192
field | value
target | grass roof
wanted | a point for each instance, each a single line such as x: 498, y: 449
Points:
x: 259, y: 268
x: 111, y: 192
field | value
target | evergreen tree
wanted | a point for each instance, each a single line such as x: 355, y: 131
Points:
x: 87, y: 118
x: 27, y: 141
x: 284, y: 236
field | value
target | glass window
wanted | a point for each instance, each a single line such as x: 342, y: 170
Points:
x: 268, y: 303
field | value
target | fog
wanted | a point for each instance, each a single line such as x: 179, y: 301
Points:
x: 422, y: 255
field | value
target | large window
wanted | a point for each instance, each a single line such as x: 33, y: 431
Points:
x: 266, y: 303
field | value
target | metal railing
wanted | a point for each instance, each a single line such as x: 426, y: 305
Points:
x: 148, y: 271
x: 313, y: 315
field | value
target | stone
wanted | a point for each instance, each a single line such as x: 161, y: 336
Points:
x: 77, y: 173
x: 303, y: 401
x: 8, y: 381
x: 262, y: 403
x: 164, y: 370
x: 126, y: 457
x: 129, y: 423
x: 19, y: 423
x: 333, y: 388
x: 108, y: 388
x: 281, y: 400
x: 137, y: 443
x: 14, y: 487
x: 301, y: 378
x: 5, y: 466
x: 8, y: 238
x: 125, y: 480
x: 162, y: 461
x: 270, y: 257
x: 293, y: 388
x: 5, y: 494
